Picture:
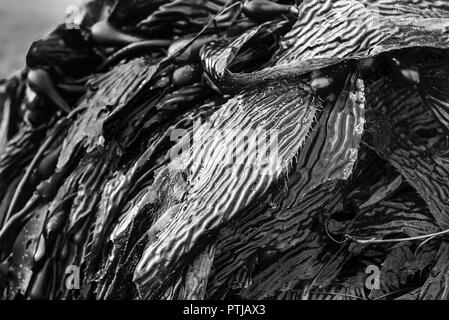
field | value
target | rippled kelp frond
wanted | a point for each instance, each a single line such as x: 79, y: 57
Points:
x: 415, y: 163
x: 288, y: 214
x: 354, y: 29
x: 329, y: 32
x: 284, y: 110
x: 108, y: 91
x: 434, y: 90
x: 399, y: 216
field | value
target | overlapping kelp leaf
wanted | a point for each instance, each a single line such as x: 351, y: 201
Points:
x: 279, y: 223
x: 171, y: 18
x: 404, y: 262
x: 415, y: 162
x: 274, y: 150
x: 221, y: 151
x: 328, y: 32
x: 351, y: 28
x: 404, y: 215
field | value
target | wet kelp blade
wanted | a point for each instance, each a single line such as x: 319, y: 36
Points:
x: 219, y: 57
x: 355, y: 29
x: 400, y: 216
x: 171, y: 18
x: 132, y: 195
x: 197, y: 275
x: 286, y: 219
x: 329, y: 32
x: 122, y: 195
x: 22, y: 258
x: 266, y: 232
x: 413, y: 160
x: 413, y: 108
x: 107, y: 91
x: 437, y: 285
x: 127, y: 236
x: 228, y: 173
x: 434, y: 90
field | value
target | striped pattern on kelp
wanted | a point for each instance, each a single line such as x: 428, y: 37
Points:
x: 405, y: 105
x: 428, y: 175
x: 437, y: 285
x: 409, y: 8
x: 350, y: 28
x: 434, y: 90
x: 23, y: 252
x: 93, y: 177
x: 116, y: 277
x: 302, y: 262
x: 143, y: 209
x: 217, y: 56
x: 285, y: 217
x: 328, y: 154
x: 402, y: 216
x: 197, y: 275
x: 330, y: 31
x: 222, y: 185
x: 424, y: 170
x: 273, y: 226
x: 122, y: 195
x: 107, y: 91
x: 332, y: 150
x: 338, y: 292
x: 127, y: 196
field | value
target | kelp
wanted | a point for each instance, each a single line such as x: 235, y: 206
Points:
x: 65, y: 53
x: 259, y: 156
x: 285, y: 218
x: 435, y: 287
x: 295, y: 103
x: 170, y: 18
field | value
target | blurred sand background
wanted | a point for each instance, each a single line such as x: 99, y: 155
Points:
x: 22, y: 21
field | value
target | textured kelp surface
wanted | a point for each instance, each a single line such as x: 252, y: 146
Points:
x: 156, y: 186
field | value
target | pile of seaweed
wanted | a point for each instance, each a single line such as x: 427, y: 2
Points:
x: 96, y: 177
